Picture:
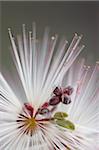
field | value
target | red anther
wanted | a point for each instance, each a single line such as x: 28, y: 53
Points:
x: 68, y: 90
x: 45, y: 105
x: 29, y: 108
x: 57, y: 91
x: 66, y: 99
x: 54, y: 100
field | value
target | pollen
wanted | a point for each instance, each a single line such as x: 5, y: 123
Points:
x: 30, y: 123
x: 27, y: 125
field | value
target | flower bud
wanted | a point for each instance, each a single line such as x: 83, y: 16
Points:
x: 54, y: 100
x: 57, y: 91
x: 66, y: 99
x: 45, y: 105
x: 68, y: 90
x: 29, y: 108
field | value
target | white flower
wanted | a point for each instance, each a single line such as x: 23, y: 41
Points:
x: 41, y: 67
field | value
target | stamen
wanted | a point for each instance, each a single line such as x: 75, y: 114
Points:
x: 28, y: 125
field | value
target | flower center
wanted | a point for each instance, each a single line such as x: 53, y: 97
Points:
x: 26, y: 124
x: 30, y: 123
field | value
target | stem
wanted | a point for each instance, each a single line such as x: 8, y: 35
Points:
x: 45, y: 119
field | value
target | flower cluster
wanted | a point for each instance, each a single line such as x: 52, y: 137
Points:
x: 60, y: 95
x: 33, y: 116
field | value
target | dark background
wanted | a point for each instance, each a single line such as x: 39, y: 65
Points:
x: 64, y: 18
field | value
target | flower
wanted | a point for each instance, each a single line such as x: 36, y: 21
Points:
x: 50, y: 102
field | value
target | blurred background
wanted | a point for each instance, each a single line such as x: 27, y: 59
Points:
x: 64, y: 18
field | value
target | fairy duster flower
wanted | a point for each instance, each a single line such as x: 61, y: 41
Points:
x: 51, y: 102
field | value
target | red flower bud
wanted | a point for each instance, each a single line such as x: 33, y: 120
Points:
x: 29, y: 108
x: 68, y: 90
x: 54, y: 100
x: 45, y: 105
x: 66, y: 99
x: 57, y: 91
